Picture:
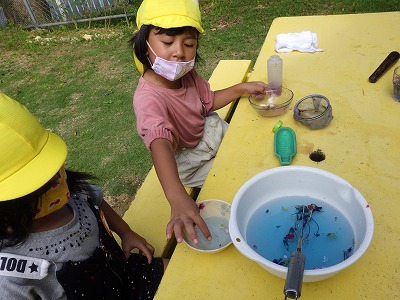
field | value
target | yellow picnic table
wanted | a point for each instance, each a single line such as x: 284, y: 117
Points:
x: 361, y: 144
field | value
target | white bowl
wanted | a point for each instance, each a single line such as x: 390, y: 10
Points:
x: 303, y: 182
x: 216, y: 214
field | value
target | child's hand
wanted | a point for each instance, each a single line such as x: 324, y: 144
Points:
x: 255, y: 88
x: 185, y: 216
x: 132, y: 240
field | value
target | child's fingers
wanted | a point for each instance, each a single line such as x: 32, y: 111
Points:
x: 259, y: 89
x: 190, y: 231
x: 203, y: 227
x: 178, y: 231
x: 175, y: 226
x: 259, y: 95
x: 126, y: 254
x: 170, y: 228
x: 148, y: 251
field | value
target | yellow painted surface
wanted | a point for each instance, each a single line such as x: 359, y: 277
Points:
x: 149, y: 212
x: 226, y: 74
x: 362, y: 145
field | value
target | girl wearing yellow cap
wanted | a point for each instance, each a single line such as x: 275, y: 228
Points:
x: 55, y: 242
x: 174, y: 105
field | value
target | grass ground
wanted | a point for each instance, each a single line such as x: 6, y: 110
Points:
x: 79, y: 81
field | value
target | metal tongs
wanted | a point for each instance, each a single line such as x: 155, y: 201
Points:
x: 294, y: 276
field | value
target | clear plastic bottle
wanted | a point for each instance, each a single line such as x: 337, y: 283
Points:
x: 274, y: 68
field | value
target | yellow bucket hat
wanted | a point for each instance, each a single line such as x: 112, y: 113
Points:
x: 30, y: 155
x: 169, y: 14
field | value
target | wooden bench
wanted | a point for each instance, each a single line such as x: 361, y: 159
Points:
x: 149, y: 212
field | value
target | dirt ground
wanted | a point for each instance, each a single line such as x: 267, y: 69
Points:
x: 119, y: 203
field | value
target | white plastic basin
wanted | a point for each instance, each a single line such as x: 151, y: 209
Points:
x: 301, y: 181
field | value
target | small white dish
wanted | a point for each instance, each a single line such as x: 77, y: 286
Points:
x: 216, y: 214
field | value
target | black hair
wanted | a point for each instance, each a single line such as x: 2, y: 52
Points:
x: 139, y: 45
x: 16, y: 216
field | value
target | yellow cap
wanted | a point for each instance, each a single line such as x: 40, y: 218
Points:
x: 30, y: 155
x: 169, y: 14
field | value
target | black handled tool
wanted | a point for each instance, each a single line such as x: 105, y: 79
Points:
x: 389, y: 61
x: 294, y: 277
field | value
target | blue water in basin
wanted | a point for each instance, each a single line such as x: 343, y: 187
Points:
x: 328, y: 236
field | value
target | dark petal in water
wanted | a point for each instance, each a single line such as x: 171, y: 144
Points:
x: 347, y: 253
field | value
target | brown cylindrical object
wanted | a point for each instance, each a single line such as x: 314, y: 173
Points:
x: 384, y: 66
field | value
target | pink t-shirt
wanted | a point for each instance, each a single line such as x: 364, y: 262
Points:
x: 173, y: 114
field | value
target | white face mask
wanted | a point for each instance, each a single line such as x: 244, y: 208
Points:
x: 171, y: 70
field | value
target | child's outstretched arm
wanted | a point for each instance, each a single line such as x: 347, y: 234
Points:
x: 184, y: 211
x: 225, y: 96
x: 129, y: 238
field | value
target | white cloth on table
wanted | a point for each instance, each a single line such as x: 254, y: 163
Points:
x: 305, y: 41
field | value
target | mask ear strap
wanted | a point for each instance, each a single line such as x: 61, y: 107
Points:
x: 148, y: 58
x: 151, y: 48
x: 141, y: 68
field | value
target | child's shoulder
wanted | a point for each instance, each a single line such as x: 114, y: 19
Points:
x: 146, y: 85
